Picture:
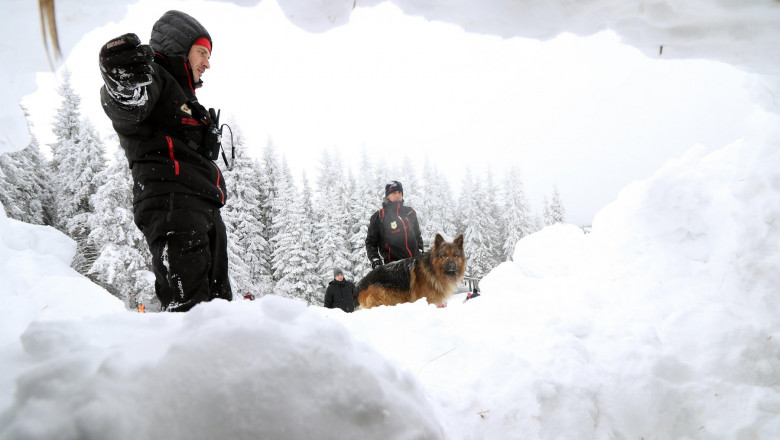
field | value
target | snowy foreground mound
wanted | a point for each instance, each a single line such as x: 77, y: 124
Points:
x: 664, y: 323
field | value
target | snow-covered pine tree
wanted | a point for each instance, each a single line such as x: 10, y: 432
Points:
x: 75, y: 207
x: 308, y: 199
x: 66, y: 128
x: 311, y: 277
x: 557, y: 211
x: 436, y: 211
x: 465, y: 202
x: 24, y: 184
x: 7, y: 204
x: 23, y: 192
x: 422, y: 207
x: 383, y: 175
x: 33, y: 158
x: 267, y: 186
x: 446, y: 208
x: 408, y: 178
x: 362, y: 205
x: 77, y: 156
x: 476, y: 242
x: 123, y: 262
x: 11, y: 180
x: 247, y: 249
x: 547, y: 217
x: 492, y: 211
x: 538, y: 220
x: 331, y: 231
x: 516, y: 217
x: 293, y: 262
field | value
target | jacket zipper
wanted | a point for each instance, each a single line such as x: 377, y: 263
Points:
x: 219, y: 178
x: 406, y: 233
x: 173, y: 157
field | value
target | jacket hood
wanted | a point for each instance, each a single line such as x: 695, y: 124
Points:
x: 175, y: 32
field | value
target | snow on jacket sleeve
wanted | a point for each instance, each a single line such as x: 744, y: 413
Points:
x: 124, y: 114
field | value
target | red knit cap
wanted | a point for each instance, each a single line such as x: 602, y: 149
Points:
x: 203, y: 41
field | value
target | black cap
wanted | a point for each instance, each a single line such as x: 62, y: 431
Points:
x: 393, y: 186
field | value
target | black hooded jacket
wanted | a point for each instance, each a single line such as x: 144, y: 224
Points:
x: 394, y: 233
x: 163, y: 133
x: 340, y: 295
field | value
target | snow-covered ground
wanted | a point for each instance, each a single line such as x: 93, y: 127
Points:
x: 663, y: 323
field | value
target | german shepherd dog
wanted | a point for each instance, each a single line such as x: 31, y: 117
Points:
x: 434, y: 275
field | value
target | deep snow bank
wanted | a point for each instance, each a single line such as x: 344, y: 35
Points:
x: 743, y: 33
x: 38, y: 282
x: 263, y: 369
x: 671, y: 303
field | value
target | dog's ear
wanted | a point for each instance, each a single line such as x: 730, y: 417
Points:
x: 459, y: 241
x: 438, y: 241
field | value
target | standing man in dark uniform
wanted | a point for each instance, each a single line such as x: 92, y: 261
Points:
x: 393, y: 232
x: 170, y: 141
x: 340, y: 293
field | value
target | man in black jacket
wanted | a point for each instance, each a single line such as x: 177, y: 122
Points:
x: 393, y: 232
x: 340, y: 293
x: 170, y: 140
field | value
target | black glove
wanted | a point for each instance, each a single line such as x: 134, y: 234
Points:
x: 376, y: 263
x: 126, y: 66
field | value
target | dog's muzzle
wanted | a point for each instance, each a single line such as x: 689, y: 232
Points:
x: 450, y: 268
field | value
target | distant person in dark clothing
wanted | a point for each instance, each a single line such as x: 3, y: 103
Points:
x: 340, y: 293
x: 472, y: 295
x: 170, y: 141
x: 393, y: 232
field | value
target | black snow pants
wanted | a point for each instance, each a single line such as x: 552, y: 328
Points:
x: 188, y: 242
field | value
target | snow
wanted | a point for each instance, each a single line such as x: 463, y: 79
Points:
x: 741, y: 33
x: 663, y: 323
x: 223, y: 371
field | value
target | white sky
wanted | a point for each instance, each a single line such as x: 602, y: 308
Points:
x: 587, y: 114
